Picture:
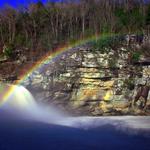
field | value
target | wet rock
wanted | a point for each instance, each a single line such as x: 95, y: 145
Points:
x: 86, y: 82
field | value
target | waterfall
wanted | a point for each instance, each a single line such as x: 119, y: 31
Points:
x: 19, y: 99
x: 21, y: 103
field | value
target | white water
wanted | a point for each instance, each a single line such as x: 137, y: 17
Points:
x: 22, y: 103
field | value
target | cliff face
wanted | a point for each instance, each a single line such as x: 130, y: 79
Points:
x: 86, y: 81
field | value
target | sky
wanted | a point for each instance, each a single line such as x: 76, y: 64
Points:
x: 16, y: 3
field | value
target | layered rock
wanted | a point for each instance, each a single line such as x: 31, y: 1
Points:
x: 85, y: 81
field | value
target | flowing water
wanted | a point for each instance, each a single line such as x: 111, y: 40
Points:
x: 52, y: 129
x: 22, y: 104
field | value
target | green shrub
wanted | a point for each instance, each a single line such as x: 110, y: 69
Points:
x: 8, y: 50
x: 136, y: 56
x: 105, y: 43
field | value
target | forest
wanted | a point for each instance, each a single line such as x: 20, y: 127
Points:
x: 42, y: 26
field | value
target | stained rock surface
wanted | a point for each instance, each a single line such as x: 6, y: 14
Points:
x: 85, y: 81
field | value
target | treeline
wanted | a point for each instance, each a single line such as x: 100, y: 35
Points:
x: 42, y: 26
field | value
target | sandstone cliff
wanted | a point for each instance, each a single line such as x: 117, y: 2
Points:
x: 87, y: 81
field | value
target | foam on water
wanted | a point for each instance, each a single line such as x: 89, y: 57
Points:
x: 22, y: 103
